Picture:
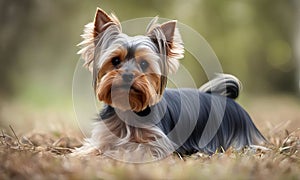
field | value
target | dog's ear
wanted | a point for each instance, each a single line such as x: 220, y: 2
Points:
x: 102, y: 21
x: 168, y: 29
x: 92, y: 34
x: 175, y: 49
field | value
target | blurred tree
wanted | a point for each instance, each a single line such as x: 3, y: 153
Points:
x: 254, y: 40
x: 14, y: 22
x: 274, y: 63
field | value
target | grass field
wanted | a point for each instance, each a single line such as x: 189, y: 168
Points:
x: 28, y: 153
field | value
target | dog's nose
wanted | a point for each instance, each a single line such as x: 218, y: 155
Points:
x: 127, y: 77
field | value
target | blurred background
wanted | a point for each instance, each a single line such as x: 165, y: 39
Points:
x: 256, y: 40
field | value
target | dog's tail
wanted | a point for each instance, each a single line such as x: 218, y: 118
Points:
x: 224, y: 84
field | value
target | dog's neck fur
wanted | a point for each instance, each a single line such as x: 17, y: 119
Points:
x: 112, y: 135
x: 123, y: 130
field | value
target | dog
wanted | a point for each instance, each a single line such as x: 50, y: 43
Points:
x: 141, y: 117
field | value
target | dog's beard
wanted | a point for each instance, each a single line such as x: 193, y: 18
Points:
x: 137, y: 96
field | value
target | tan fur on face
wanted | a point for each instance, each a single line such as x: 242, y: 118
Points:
x: 151, y: 57
x: 143, y: 92
x: 146, y: 87
x: 107, y: 65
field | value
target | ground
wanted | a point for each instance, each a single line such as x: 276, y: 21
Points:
x: 44, y: 154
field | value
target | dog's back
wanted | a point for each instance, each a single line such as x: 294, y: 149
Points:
x: 208, y: 119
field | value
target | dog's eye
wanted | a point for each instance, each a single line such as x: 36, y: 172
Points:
x: 144, y: 65
x: 115, y: 61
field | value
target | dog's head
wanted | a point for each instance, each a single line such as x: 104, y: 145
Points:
x: 130, y: 73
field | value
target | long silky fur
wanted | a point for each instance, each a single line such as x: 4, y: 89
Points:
x: 114, y: 138
x: 236, y: 127
x: 190, y: 108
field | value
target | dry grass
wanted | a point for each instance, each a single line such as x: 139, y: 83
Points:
x: 45, y: 155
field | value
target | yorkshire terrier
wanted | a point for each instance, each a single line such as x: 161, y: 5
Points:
x: 143, y: 118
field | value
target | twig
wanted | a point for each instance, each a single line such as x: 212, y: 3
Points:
x: 180, y: 157
x: 2, y: 137
x: 222, y: 149
x: 15, y: 135
x: 290, y: 135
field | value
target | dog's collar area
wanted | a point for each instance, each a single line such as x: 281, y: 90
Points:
x: 145, y: 112
x: 107, y: 112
